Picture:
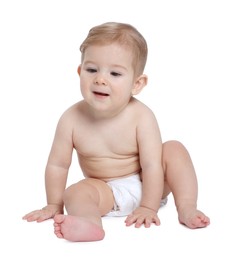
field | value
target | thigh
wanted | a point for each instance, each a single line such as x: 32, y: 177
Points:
x: 166, y: 190
x: 99, y: 192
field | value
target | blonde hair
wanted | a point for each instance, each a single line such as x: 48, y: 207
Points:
x: 123, y: 34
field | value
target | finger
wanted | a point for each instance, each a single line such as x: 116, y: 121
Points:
x: 147, y: 222
x: 29, y: 215
x: 44, y: 215
x: 130, y: 220
x: 139, y: 222
x: 32, y: 218
x: 37, y: 215
x: 156, y: 220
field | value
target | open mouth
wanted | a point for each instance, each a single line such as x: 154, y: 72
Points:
x: 101, y: 94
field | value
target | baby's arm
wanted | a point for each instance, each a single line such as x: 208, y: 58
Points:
x: 150, y: 153
x: 56, y: 171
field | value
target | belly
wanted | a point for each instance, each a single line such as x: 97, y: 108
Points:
x: 109, y: 168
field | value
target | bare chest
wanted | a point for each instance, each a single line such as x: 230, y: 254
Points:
x: 112, y: 140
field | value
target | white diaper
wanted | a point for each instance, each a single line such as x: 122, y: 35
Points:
x: 127, y: 193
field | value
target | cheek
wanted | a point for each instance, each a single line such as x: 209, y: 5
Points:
x: 123, y: 94
x: 82, y: 79
x: 84, y: 82
x: 83, y: 87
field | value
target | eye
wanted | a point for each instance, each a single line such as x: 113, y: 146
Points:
x: 90, y: 70
x: 115, y: 74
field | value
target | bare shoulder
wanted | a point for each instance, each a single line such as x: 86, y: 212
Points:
x: 72, y: 112
x: 147, y: 124
x: 69, y: 118
x: 142, y: 111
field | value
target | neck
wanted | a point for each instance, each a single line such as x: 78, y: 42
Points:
x: 102, y: 115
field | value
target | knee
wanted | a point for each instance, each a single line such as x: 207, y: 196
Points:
x: 83, y: 188
x: 73, y: 190
x: 172, y: 146
x: 172, y: 149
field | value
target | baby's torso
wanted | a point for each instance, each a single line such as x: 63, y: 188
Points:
x: 107, y: 149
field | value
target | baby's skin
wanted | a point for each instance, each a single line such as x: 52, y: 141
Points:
x: 76, y: 229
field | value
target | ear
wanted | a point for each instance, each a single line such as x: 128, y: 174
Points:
x: 79, y: 70
x: 139, y: 84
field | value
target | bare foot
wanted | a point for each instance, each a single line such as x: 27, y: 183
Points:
x: 77, y: 229
x: 193, y: 218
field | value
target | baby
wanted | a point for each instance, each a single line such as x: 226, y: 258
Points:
x: 128, y: 170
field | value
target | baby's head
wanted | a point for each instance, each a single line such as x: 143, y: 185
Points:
x: 123, y: 34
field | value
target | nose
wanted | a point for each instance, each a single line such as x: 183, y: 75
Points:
x: 100, y: 80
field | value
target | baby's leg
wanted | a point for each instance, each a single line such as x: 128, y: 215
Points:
x: 181, y: 178
x: 85, y: 203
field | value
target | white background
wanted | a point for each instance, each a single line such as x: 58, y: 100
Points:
x: 191, y: 69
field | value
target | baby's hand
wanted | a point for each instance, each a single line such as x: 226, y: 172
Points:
x: 43, y: 214
x: 141, y: 216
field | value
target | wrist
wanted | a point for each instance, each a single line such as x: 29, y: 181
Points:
x: 54, y: 207
x: 148, y: 207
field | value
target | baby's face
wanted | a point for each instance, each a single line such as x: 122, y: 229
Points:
x: 107, y: 77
